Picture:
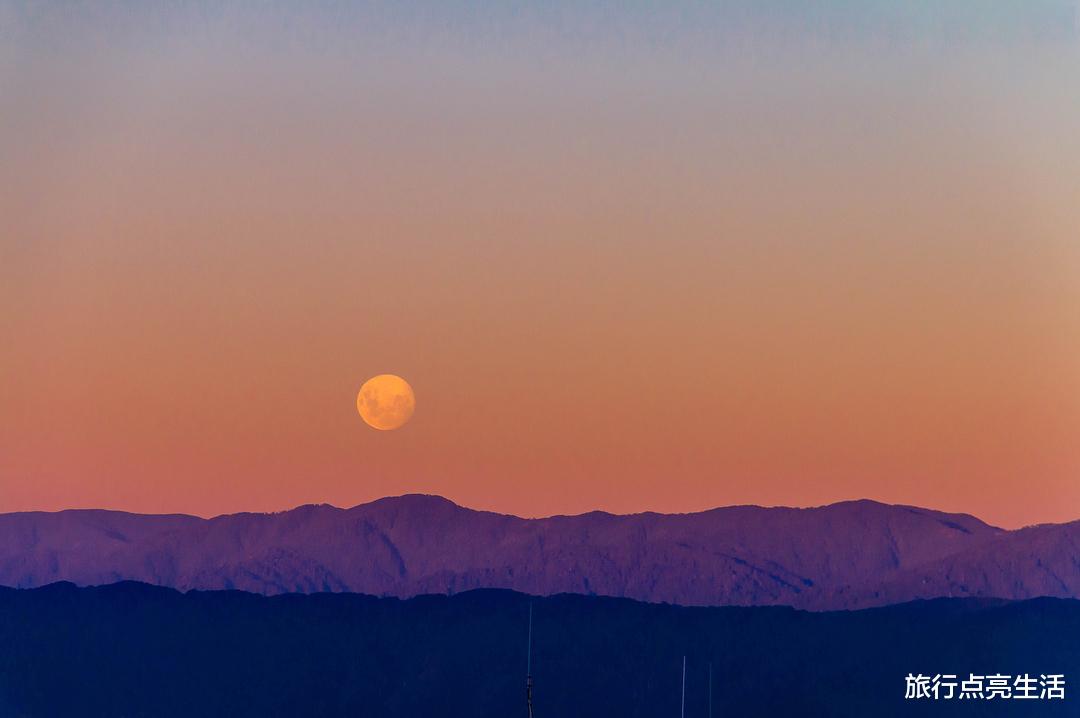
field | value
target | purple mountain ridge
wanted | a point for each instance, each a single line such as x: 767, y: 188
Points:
x: 852, y: 554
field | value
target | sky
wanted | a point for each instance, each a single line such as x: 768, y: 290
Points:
x: 630, y: 256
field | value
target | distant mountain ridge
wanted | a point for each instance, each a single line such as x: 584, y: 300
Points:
x: 847, y: 555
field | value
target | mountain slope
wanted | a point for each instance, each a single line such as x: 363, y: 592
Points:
x: 1035, y: 561
x: 845, y: 555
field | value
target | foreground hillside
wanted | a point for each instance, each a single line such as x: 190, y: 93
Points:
x: 848, y: 555
x: 135, y: 650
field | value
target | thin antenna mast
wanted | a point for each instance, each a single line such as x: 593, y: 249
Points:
x: 528, y: 667
x: 682, y: 709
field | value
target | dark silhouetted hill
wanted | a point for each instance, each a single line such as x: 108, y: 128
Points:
x: 131, y: 649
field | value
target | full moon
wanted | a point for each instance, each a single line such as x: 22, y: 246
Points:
x: 386, y: 402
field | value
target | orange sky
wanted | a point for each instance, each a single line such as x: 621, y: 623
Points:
x: 625, y: 276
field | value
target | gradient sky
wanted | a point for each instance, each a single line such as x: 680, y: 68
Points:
x: 629, y: 256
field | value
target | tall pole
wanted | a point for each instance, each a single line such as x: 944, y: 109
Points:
x: 682, y: 709
x: 528, y: 667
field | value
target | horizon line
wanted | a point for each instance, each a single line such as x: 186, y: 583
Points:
x: 408, y: 495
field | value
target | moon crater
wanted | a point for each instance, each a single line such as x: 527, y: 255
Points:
x: 386, y: 402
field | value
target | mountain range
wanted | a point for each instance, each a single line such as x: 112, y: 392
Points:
x: 847, y: 555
